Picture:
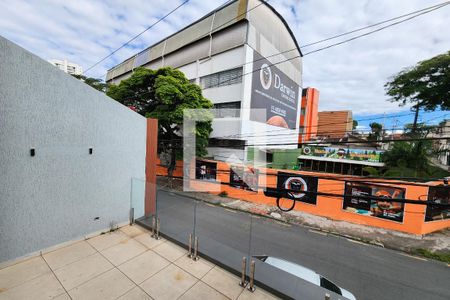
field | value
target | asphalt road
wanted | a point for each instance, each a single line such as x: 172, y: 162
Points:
x: 369, y: 272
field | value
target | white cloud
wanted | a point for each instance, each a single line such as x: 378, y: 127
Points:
x: 349, y: 76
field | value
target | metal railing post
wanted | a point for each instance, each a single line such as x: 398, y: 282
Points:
x: 190, y: 246
x: 153, y: 226
x: 132, y: 216
x: 158, y: 223
x: 244, y: 267
x: 195, y: 257
x: 251, y: 284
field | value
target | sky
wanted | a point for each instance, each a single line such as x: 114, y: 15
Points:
x: 350, y: 76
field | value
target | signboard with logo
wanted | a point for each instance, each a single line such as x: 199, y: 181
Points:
x: 205, y: 170
x: 299, y: 184
x: 375, y: 208
x: 275, y: 92
x: 343, y: 153
x: 244, y: 178
x: 441, y: 195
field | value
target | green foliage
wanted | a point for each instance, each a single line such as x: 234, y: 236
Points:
x: 355, y: 124
x: 376, y: 131
x: 426, y: 85
x: 164, y: 94
x: 444, y: 256
x: 408, y: 159
x: 96, y: 83
x: 223, y: 194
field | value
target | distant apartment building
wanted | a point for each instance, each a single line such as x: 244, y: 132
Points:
x: 442, y: 146
x: 66, y: 66
x: 238, y: 55
x: 308, y: 114
x: 334, y: 124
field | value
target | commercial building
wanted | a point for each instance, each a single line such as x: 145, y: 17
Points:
x: 442, y: 147
x: 66, y: 66
x: 244, y: 56
x: 308, y: 114
x: 335, y: 124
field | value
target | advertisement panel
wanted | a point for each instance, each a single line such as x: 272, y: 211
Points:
x: 244, y: 178
x: 376, y: 208
x: 441, y: 195
x: 275, y: 92
x: 300, y: 183
x: 205, y: 170
x: 343, y: 153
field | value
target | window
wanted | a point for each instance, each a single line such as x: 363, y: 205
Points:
x: 301, y: 129
x: 223, y: 78
x: 303, y: 111
x: 228, y: 109
x: 325, y: 283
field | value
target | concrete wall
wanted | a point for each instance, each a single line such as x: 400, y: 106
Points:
x: 56, y: 195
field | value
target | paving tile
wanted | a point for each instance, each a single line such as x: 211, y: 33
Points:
x: 64, y: 296
x: 202, y: 291
x: 170, y: 251
x: 169, y: 283
x: 64, y: 256
x: 19, y: 273
x: 256, y: 295
x: 109, y: 285
x: 148, y: 241
x: 135, y: 294
x: 43, y: 287
x: 123, y: 251
x: 224, y: 282
x: 133, y: 230
x: 107, y: 240
x: 144, y: 266
x: 76, y: 273
x: 197, y: 268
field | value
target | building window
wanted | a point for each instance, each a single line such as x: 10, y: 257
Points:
x: 223, y: 78
x: 228, y: 109
x: 301, y: 129
x: 303, y: 111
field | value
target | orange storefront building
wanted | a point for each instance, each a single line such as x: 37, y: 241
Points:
x: 330, y: 201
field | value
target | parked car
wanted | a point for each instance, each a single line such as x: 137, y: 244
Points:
x: 305, y: 274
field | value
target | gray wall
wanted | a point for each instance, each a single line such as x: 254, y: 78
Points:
x: 55, y: 196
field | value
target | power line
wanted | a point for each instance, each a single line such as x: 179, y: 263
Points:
x: 233, y: 19
x: 378, y: 29
x: 283, y: 193
x: 138, y: 35
x: 425, y: 10
x: 318, y: 143
x: 373, y: 25
x: 317, y: 50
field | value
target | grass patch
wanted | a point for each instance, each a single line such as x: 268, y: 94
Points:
x: 445, y: 257
x: 223, y: 194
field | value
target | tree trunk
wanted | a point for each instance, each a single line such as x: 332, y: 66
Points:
x: 416, y: 117
x: 172, y: 163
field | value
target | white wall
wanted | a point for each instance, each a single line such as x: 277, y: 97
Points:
x: 56, y: 195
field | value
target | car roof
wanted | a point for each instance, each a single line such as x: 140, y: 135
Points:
x: 294, y: 269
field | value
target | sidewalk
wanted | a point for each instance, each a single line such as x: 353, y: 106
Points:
x: 438, y: 242
x: 123, y: 264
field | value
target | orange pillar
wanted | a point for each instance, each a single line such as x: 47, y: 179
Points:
x: 150, y: 166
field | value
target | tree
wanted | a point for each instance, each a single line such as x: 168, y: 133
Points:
x: 96, y: 83
x: 425, y: 85
x: 164, y: 94
x: 376, y: 131
x: 355, y: 124
x: 410, y: 159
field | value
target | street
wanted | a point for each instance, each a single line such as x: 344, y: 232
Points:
x: 369, y: 272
